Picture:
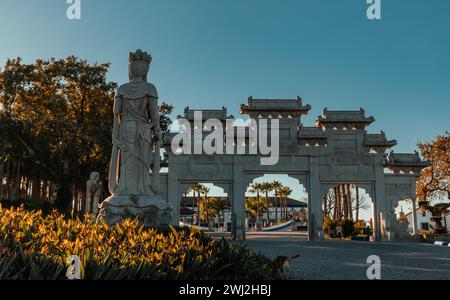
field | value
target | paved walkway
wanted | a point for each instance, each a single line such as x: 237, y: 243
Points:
x: 334, y: 259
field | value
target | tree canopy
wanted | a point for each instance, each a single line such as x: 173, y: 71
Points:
x: 434, y: 182
x: 56, y: 123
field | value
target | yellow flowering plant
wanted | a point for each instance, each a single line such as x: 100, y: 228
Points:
x: 36, y: 247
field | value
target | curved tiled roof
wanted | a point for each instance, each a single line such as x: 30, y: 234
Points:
x: 345, y: 116
x: 275, y: 105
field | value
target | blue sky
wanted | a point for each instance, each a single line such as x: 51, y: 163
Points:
x: 214, y: 53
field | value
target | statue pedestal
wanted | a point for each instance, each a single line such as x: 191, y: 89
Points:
x: 151, y: 211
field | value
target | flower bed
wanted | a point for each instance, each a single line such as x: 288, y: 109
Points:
x: 37, y: 247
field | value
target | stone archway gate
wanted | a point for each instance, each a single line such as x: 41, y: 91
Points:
x: 337, y: 149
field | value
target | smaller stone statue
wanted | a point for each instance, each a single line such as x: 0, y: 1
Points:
x: 94, y: 189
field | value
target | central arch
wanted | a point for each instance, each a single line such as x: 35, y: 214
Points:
x: 277, y: 204
x: 348, y: 204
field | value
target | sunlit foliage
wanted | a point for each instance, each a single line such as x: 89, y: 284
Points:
x: 55, y: 128
x: 36, y: 247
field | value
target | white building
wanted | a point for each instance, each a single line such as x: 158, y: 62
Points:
x: 424, y: 222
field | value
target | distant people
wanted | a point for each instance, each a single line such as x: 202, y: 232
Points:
x: 333, y: 230
x: 339, y: 231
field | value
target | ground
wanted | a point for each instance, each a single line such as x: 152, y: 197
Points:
x: 335, y: 259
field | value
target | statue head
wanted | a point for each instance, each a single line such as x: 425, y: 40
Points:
x: 95, y: 176
x: 139, y: 64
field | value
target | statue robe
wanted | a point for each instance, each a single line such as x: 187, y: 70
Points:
x: 136, y: 104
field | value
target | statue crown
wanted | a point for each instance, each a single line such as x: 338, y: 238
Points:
x: 139, y: 55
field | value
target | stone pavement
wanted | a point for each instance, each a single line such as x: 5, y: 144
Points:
x: 335, y: 259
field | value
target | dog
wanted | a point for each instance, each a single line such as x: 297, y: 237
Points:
x: 282, y: 264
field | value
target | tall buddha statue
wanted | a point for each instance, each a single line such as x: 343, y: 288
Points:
x: 136, y: 152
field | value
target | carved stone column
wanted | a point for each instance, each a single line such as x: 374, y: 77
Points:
x: 315, y: 219
x: 238, y: 230
x: 414, y: 216
x: 174, y: 194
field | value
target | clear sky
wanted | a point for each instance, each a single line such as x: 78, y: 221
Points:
x: 214, y: 53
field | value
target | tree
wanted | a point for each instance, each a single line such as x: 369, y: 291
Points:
x: 55, y: 123
x: 284, y: 193
x: 329, y: 204
x: 255, y: 207
x: 164, y: 118
x: 341, y: 201
x: 197, y: 190
x: 357, y: 203
x: 205, y: 190
x: 276, y: 185
x: 252, y: 207
x: 266, y: 187
x: 208, y: 209
x: 219, y: 206
x: 434, y: 182
x: 256, y: 188
x: 58, y: 116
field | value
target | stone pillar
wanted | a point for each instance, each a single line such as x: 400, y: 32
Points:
x: 315, y: 216
x: 238, y: 228
x: 414, y: 203
x: 379, y: 198
x: 173, y: 196
x: 376, y: 221
x: 414, y: 216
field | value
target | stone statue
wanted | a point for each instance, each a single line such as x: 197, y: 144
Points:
x: 136, y: 147
x: 94, y: 189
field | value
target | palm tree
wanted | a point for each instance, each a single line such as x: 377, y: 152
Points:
x: 205, y: 190
x: 188, y: 191
x: 251, y: 205
x: 209, y: 210
x: 276, y: 185
x: 266, y: 187
x: 256, y: 188
x: 196, y: 188
x: 287, y: 194
x: 284, y: 193
x: 220, y: 205
x: 281, y: 194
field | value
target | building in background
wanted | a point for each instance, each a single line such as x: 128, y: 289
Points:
x: 424, y: 222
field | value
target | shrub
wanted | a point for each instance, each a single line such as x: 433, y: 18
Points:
x: 348, y: 227
x: 36, y: 247
x: 31, y: 204
x: 360, y: 228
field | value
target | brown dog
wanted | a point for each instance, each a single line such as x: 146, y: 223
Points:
x: 283, y: 265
